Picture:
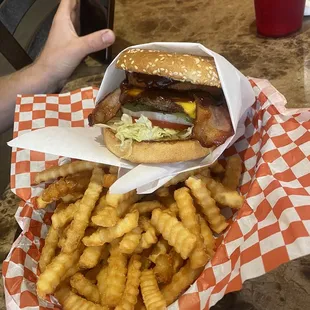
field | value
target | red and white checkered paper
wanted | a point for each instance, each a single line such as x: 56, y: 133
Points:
x: 271, y: 228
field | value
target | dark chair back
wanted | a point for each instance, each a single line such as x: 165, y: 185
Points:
x: 12, y: 50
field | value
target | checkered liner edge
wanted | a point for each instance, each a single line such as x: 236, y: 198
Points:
x: 271, y: 228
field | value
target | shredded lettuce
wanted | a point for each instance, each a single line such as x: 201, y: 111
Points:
x: 126, y: 130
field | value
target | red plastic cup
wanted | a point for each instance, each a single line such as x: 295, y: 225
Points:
x: 278, y: 18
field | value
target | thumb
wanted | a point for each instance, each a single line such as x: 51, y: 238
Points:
x: 96, y: 41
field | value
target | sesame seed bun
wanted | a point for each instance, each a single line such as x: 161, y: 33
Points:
x: 180, y: 67
x: 153, y: 152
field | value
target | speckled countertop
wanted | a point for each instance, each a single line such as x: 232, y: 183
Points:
x: 227, y: 27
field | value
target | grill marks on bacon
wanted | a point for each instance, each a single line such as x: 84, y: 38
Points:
x: 212, y: 124
x: 106, y: 109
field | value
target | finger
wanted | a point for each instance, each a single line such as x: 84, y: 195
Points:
x: 67, y: 6
x: 95, y: 42
x: 75, y: 18
x: 69, y: 10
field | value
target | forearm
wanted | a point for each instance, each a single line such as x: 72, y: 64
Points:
x: 33, y: 79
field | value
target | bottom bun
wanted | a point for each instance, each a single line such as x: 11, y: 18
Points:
x: 153, y: 152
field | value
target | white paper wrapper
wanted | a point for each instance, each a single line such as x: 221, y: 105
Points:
x: 239, y: 96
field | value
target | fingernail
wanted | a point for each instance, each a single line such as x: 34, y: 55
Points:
x: 108, y: 37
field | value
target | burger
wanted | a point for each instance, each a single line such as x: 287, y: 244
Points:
x: 169, y: 108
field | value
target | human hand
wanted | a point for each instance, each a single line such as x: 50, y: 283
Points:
x: 64, y: 49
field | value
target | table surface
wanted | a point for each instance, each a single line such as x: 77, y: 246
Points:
x: 228, y: 28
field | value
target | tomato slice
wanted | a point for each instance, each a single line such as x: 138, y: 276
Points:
x: 163, y: 124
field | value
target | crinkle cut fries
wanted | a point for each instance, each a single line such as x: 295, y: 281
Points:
x: 130, y: 251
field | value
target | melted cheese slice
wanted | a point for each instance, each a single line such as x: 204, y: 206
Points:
x: 189, y: 107
x: 134, y: 91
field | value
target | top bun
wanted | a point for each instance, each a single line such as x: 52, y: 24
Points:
x: 198, y: 70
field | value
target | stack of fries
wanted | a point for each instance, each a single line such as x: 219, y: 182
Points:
x: 129, y: 251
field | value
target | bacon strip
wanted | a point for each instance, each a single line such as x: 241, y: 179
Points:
x: 105, y: 109
x: 212, y: 125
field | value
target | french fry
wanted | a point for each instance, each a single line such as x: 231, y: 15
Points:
x: 81, y: 219
x: 114, y: 200
x: 187, y: 212
x: 50, y: 278
x: 102, y: 283
x: 163, y: 268
x: 106, y: 217
x: 169, y: 203
x: 106, y: 235
x: 124, y: 206
x: 95, y: 212
x: 62, y: 233
x: 64, y: 170
x: 148, y: 238
x: 208, y: 206
x: 68, y: 185
x: 146, y: 206
x: 174, y: 232
x: 41, y: 203
x: 113, y: 170
x: 71, y: 271
x: 222, y: 195
x: 102, y: 203
x: 129, y: 298
x: 152, y: 297
x: 130, y: 241
x: 164, y: 232
x: 179, y: 283
x: 49, y: 249
x: 109, y: 179
x: 232, y: 173
x: 173, y: 210
x: 60, y: 206
x: 85, y: 288
x: 162, y: 192
x: 206, y: 172
x: 217, y: 168
x: 177, y: 260
x: 91, y: 257
x: 65, y: 216
x: 161, y: 247
x: 71, y: 301
x: 207, y: 235
x: 181, y: 177
x: 116, y: 275
x: 73, y: 197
